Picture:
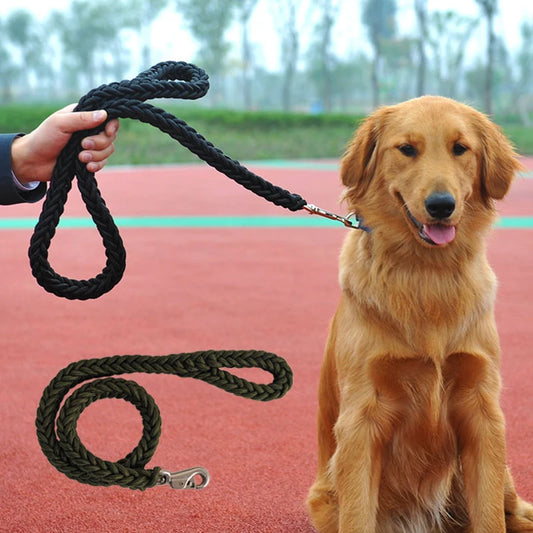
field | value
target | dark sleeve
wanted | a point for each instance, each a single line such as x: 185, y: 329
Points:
x: 9, y: 193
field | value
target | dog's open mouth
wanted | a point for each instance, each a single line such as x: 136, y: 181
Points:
x: 436, y: 234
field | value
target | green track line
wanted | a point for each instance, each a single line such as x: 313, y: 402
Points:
x: 295, y: 221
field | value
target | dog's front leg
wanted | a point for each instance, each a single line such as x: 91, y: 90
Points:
x: 357, y: 463
x: 482, y: 453
x: 479, y: 423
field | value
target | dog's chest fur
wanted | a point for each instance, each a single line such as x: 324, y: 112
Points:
x: 422, y: 448
x: 429, y: 310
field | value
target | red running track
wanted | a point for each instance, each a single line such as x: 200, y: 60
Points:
x: 192, y: 289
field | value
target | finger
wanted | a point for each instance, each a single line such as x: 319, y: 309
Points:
x: 70, y: 122
x: 87, y: 156
x: 98, y: 142
x: 100, y: 155
x: 111, y: 128
x: 103, y: 139
x: 95, y: 166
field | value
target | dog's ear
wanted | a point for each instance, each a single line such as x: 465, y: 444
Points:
x: 359, y: 162
x: 499, y: 162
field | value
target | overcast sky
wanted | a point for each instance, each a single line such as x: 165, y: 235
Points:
x: 172, y: 41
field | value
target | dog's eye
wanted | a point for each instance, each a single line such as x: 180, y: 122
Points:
x: 459, y: 149
x: 408, y: 150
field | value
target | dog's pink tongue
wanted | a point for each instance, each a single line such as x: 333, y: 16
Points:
x: 439, y: 233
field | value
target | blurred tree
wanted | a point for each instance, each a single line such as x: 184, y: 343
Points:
x: 287, y: 15
x: 25, y: 35
x: 352, y: 81
x: 245, y: 9
x: 524, y: 99
x: 448, y: 36
x: 8, y: 69
x: 502, y: 82
x: 90, y: 33
x: 320, y: 54
x: 142, y: 14
x: 379, y: 17
x: 208, y: 21
x: 399, y: 58
x: 489, y: 8
x: 267, y: 94
x: 421, y: 11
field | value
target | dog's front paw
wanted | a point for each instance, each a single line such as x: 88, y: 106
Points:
x: 521, y: 519
x: 323, y: 510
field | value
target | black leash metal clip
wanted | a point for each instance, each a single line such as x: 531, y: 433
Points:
x: 186, y: 479
x: 350, y: 221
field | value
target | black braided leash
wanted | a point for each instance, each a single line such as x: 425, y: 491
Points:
x: 64, y: 448
x: 126, y: 99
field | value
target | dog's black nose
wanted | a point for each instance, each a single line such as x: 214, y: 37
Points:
x: 440, y: 205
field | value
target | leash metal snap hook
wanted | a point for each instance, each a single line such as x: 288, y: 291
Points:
x: 350, y: 221
x: 186, y: 479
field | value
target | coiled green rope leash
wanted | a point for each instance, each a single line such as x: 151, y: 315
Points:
x: 64, y: 449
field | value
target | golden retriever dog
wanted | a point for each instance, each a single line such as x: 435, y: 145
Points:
x: 410, y: 430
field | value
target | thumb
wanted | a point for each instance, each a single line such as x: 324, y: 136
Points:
x: 70, y: 122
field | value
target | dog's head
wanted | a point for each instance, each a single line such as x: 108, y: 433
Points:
x: 430, y: 167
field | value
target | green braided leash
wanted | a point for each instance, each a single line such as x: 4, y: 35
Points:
x: 59, y: 439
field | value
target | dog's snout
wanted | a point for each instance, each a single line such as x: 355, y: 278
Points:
x: 440, y: 205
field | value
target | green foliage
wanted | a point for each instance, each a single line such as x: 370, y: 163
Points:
x: 260, y: 119
x: 24, y: 118
x: 241, y: 135
x: 522, y: 138
x: 245, y: 136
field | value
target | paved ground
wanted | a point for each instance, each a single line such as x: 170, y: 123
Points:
x: 240, y: 278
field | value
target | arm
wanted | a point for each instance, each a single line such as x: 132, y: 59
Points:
x: 9, y: 192
x: 32, y: 157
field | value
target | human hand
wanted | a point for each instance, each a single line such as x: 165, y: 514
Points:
x: 33, y: 156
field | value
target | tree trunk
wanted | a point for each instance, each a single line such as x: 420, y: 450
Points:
x: 375, y: 82
x: 291, y: 50
x: 246, y: 65
x: 286, y: 95
x: 421, y: 15
x: 490, y: 62
x: 375, y: 74
x: 329, y: 21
